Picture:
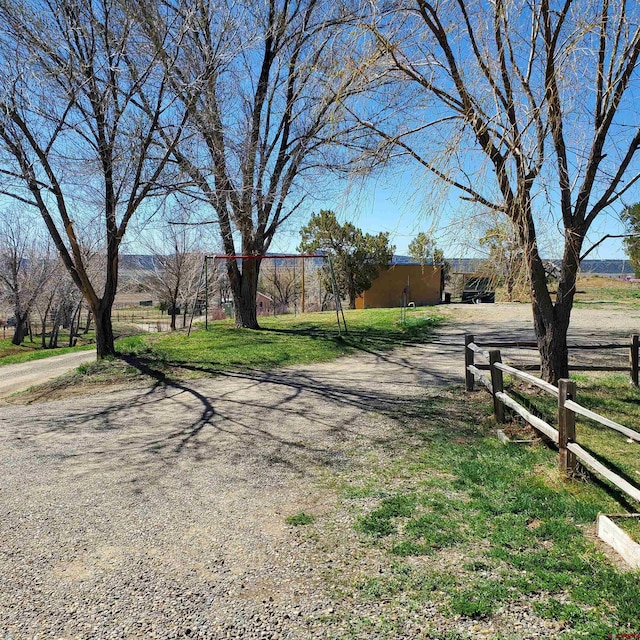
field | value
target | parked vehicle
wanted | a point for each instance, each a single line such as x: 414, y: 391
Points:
x: 478, y: 289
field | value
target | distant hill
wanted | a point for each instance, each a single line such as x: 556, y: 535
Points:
x: 130, y: 262
x: 596, y: 267
x: 607, y: 267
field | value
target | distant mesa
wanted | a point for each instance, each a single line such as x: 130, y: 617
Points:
x: 142, y: 262
x: 596, y: 267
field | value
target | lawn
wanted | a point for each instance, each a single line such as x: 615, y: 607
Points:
x: 283, y: 340
x: 596, y: 291
x: 447, y: 519
x: 27, y: 351
x: 612, y: 396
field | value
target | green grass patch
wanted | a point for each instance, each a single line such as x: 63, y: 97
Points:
x: 480, y: 600
x: 612, y: 396
x: 28, y: 351
x: 108, y: 369
x: 381, y: 521
x: 300, y: 519
x: 284, y: 340
x: 471, y: 525
x: 631, y: 526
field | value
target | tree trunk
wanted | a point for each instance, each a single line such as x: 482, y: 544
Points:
x: 20, y: 331
x: 551, y: 335
x: 53, y: 338
x: 72, y: 328
x: 245, y: 288
x: 551, y: 320
x: 78, y: 318
x: 43, y: 341
x: 89, y: 318
x: 75, y: 324
x: 352, y: 294
x: 104, y: 331
x: 510, y: 284
x: 173, y: 306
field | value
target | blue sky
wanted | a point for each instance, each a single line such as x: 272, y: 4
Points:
x: 396, y: 203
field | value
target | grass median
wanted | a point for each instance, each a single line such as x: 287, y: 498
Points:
x: 29, y: 351
x: 282, y: 341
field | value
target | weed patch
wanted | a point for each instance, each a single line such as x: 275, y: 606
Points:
x: 300, y: 519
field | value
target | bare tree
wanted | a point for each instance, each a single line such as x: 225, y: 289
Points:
x: 26, y: 266
x: 76, y: 142
x: 257, y: 82
x: 46, y: 301
x: 57, y: 304
x: 282, y: 283
x: 529, y: 112
x: 177, y: 265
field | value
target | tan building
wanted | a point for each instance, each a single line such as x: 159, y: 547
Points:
x: 412, y: 283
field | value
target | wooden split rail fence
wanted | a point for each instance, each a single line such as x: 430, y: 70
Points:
x: 565, y: 435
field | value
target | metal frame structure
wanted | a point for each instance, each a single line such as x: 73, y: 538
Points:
x: 204, y: 274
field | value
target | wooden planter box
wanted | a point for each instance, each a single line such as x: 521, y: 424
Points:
x: 619, y: 539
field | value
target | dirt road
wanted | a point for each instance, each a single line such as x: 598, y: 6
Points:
x: 160, y: 512
x: 17, y: 377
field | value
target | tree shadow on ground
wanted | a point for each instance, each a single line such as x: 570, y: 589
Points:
x: 236, y: 422
x: 244, y: 413
x: 375, y: 338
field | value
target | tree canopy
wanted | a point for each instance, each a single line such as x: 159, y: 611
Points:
x: 423, y: 249
x: 357, y: 257
x: 524, y: 108
x: 80, y: 140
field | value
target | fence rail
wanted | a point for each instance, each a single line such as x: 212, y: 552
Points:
x: 592, y: 415
x: 573, y: 347
x: 546, y: 386
x: 565, y: 435
x: 633, y: 347
x: 533, y: 420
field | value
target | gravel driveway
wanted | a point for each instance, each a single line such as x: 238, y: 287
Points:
x: 16, y: 377
x: 160, y: 512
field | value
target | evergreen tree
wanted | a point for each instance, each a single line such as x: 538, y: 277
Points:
x: 357, y: 257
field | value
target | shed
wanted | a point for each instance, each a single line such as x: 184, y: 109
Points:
x: 264, y: 304
x: 404, y: 283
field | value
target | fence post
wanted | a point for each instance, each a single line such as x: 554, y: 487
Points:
x: 633, y: 358
x: 566, y: 426
x: 469, y: 359
x: 497, y: 385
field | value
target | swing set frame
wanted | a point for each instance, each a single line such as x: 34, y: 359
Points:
x: 204, y: 276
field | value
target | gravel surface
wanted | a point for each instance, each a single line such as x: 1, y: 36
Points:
x: 16, y: 377
x: 160, y: 512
